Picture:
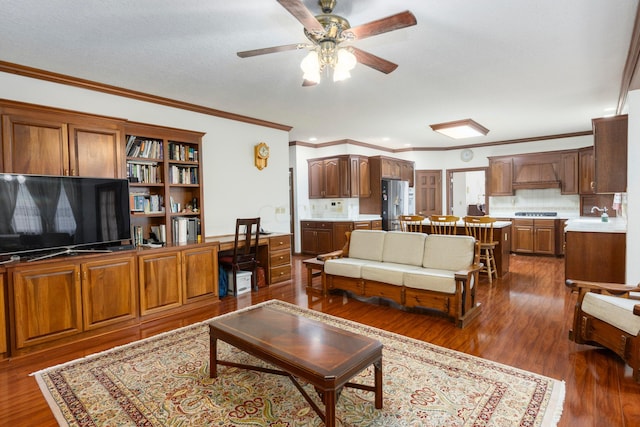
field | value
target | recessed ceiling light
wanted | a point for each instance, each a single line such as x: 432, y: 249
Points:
x: 459, y: 129
x: 313, y: 138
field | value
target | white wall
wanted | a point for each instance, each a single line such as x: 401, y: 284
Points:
x: 233, y: 186
x: 633, y: 189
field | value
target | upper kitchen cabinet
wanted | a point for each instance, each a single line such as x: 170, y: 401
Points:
x: 500, y: 176
x: 45, y: 141
x: 610, y: 145
x: 569, y: 170
x: 587, y: 163
x: 339, y: 177
x: 397, y: 169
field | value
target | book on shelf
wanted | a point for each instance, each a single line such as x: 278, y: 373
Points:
x: 144, y: 148
x: 160, y: 232
x: 186, y: 230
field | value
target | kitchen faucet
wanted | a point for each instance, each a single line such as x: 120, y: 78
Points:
x: 595, y: 208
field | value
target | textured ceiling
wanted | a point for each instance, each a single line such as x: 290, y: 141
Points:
x: 520, y: 68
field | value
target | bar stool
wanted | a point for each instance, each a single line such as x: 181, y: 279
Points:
x: 443, y: 224
x: 481, y: 229
x: 411, y: 223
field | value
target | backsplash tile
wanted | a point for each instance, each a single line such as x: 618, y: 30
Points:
x: 547, y: 200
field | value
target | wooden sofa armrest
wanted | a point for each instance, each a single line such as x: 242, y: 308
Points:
x: 462, y: 274
x: 330, y: 255
x: 612, y: 288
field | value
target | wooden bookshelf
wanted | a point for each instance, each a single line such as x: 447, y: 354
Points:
x: 163, y: 167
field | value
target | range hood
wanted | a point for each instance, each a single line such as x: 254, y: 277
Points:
x: 536, y: 176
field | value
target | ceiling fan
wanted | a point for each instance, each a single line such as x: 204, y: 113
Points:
x: 327, y: 32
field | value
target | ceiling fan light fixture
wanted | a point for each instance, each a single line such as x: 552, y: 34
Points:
x: 310, y: 66
x: 460, y: 129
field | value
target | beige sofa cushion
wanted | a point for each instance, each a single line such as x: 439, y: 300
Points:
x: 613, y: 310
x: 387, y: 272
x: 444, y: 252
x: 347, y: 267
x: 431, y: 279
x: 404, y: 248
x: 367, y: 244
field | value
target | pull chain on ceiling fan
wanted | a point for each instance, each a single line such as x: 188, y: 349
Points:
x: 326, y: 32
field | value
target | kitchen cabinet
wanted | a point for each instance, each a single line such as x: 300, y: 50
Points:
x: 569, y: 173
x: 534, y: 236
x: 364, y: 178
x: 500, y: 176
x: 50, y: 142
x: 316, y: 237
x: 595, y: 256
x: 397, y: 169
x: 279, y: 258
x: 587, y: 165
x: 610, y: 151
x: 108, y: 292
x: 337, y: 177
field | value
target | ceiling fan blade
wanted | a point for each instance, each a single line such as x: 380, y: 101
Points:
x: 375, y: 62
x: 302, y: 14
x: 274, y: 49
x: 384, y: 25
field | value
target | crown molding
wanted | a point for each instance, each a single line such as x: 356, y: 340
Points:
x: 35, y: 73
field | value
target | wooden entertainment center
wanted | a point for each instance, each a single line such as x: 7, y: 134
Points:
x: 58, y: 300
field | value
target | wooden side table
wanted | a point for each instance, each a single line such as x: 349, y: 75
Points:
x: 312, y: 265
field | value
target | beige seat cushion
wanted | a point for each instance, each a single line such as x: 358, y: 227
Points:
x: 614, y: 310
x: 387, y: 272
x: 367, y: 244
x: 404, y: 248
x: 431, y: 279
x: 347, y: 267
x: 445, y: 252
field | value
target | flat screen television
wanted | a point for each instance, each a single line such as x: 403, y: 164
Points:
x: 41, y: 213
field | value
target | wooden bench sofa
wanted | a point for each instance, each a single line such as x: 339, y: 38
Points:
x: 437, y: 272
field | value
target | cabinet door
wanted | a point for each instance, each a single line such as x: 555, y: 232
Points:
x: 34, y: 144
x: 308, y: 240
x: 339, y: 234
x: 587, y: 165
x: 332, y: 178
x: 522, y: 231
x: 324, y: 239
x: 108, y: 292
x: 406, y: 172
x: 95, y: 151
x: 544, y: 238
x: 159, y: 279
x: 3, y: 323
x: 316, y: 179
x: 569, y: 170
x: 610, y: 144
x: 364, y: 177
x: 353, y: 177
x: 47, y: 304
x: 500, y: 177
x: 200, y: 276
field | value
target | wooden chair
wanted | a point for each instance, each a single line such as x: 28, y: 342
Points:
x: 481, y: 228
x: 608, y: 315
x: 411, y: 223
x: 245, y: 251
x: 443, y: 224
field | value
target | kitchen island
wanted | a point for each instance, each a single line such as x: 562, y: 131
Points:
x: 596, y: 250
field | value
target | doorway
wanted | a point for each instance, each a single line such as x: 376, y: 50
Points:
x: 466, y: 192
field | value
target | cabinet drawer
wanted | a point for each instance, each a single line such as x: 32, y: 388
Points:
x: 317, y: 224
x: 280, y: 258
x: 545, y: 223
x: 280, y: 274
x: 376, y: 224
x: 362, y: 225
x: 279, y: 242
x: 523, y: 222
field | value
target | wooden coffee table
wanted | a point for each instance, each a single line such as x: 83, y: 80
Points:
x: 325, y: 356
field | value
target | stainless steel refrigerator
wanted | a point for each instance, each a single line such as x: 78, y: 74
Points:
x: 395, y: 202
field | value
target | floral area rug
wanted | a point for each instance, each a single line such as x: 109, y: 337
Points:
x: 164, y: 381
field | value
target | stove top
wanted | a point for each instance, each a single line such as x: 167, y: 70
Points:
x: 536, y: 214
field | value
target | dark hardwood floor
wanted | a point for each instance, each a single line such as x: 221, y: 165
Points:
x: 524, y: 323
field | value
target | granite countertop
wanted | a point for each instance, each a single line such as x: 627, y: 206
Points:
x: 337, y: 219
x: 589, y: 224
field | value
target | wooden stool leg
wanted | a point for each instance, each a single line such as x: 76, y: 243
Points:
x: 488, y: 258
